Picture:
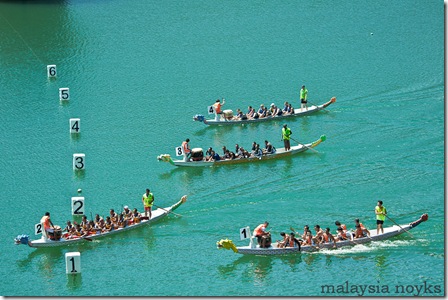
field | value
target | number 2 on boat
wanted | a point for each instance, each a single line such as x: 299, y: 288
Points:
x: 38, y: 228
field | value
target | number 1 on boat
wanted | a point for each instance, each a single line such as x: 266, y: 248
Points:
x: 245, y: 233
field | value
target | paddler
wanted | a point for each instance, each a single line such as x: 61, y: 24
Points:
x: 48, y: 225
x: 380, y: 212
x: 148, y: 201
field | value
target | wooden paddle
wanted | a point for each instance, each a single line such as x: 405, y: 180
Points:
x: 168, y: 211
x: 407, y: 231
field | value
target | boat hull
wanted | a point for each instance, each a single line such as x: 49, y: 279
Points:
x: 389, y: 232
x: 297, y: 113
x: 280, y: 152
x: 157, y: 214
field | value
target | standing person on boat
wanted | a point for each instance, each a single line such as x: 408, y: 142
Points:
x: 260, y: 230
x: 148, y: 201
x: 217, y: 107
x: 48, y: 225
x: 380, y: 212
x: 303, y: 96
x: 186, y: 149
x: 286, y: 136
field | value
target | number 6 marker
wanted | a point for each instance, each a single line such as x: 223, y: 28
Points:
x: 51, y: 70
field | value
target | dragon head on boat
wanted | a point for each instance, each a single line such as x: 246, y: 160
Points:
x: 22, y: 239
x: 226, y: 244
x: 165, y: 158
x: 199, y: 118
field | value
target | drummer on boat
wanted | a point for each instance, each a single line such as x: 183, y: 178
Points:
x: 51, y: 231
x: 261, y: 234
x: 186, y: 149
x: 217, y: 108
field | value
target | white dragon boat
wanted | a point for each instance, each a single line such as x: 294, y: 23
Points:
x: 202, y: 162
x: 227, y: 117
x: 254, y: 249
x: 44, y: 241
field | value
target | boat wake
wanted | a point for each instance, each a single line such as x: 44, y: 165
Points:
x: 367, y: 247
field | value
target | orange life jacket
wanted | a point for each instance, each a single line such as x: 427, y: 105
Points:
x: 258, y: 230
x: 217, y: 106
x: 185, y: 147
x: 46, y: 221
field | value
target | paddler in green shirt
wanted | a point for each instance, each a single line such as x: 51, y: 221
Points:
x: 303, y: 95
x: 286, y: 136
x: 380, y: 212
x: 148, y: 201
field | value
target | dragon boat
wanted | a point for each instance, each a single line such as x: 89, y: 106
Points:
x: 227, y: 118
x: 254, y: 249
x: 198, y: 160
x: 64, y: 240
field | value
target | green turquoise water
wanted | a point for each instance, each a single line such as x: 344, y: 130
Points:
x: 138, y: 71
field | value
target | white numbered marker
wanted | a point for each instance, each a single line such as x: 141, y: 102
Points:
x: 72, y: 262
x: 77, y: 206
x: 75, y: 125
x: 245, y: 233
x: 64, y: 94
x: 79, y: 161
x: 38, y: 229
x: 211, y: 110
x: 51, y: 70
x: 179, y: 151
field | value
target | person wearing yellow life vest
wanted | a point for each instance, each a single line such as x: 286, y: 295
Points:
x: 148, y: 201
x: 47, y: 224
x: 380, y: 212
x: 286, y: 136
x: 303, y: 96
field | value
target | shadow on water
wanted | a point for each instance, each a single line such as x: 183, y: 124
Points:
x: 74, y: 281
x: 259, y: 267
x: 184, y: 172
